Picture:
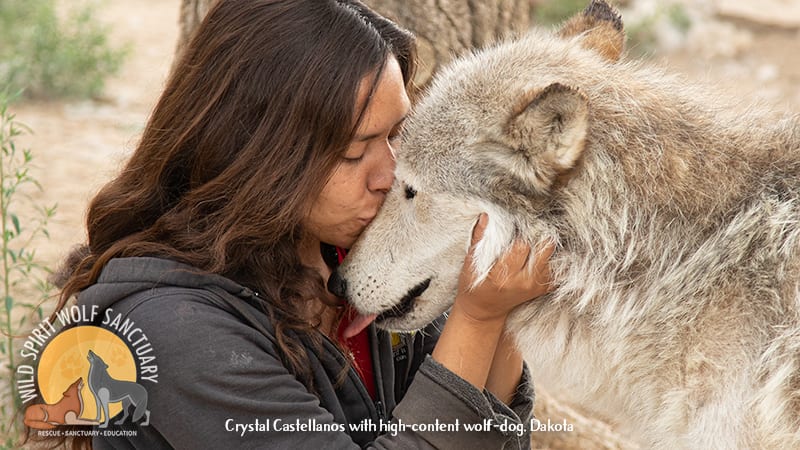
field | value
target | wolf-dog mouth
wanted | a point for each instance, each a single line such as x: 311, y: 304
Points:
x: 406, y: 303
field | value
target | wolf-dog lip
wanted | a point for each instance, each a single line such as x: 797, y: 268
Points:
x: 406, y: 303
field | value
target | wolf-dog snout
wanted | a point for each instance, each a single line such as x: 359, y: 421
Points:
x: 337, y: 285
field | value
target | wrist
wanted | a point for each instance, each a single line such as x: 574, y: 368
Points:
x: 467, y: 345
x: 477, y: 316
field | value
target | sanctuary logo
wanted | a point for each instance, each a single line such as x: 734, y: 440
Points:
x: 84, y: 374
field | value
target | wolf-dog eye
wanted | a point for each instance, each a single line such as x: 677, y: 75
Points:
x: 410, y: 192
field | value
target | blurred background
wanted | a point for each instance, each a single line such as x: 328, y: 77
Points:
x: 79, y: 78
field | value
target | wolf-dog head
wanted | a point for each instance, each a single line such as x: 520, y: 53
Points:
x: 498, y: 132
x: 96, y: 360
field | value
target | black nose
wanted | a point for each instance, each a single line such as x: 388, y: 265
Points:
x: 337, y: 285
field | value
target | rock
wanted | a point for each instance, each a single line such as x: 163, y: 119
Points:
x: 713, y: 38
x: 779, y: 13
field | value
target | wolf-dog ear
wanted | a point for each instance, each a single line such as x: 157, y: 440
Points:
x: 599, y: 28
x: 546, y: 134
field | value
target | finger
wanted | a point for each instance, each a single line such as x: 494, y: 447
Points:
x: 479, y: 229
x: 477, y: 235
x: 541, y: 270
x: 508, y: 267
x: 516, y: 257
x: 543, y: 255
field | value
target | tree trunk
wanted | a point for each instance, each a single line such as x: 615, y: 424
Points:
x: 446, y: 29
x: 192, y: 13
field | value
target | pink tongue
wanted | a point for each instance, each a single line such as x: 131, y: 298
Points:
x: 357, y: 324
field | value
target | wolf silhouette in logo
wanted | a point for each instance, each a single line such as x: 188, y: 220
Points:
x: 109, y: 390
x: 66, y: 411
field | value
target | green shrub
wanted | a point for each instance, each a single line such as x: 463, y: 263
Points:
x: 553, y: 12
x: 23, y: 280
x: 642, y: 38
x: 52, y: 56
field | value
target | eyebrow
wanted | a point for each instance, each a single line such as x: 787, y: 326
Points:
x: 374, y: 135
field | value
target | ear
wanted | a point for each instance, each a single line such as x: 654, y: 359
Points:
x: 599, y: 28
x: 546, y: 135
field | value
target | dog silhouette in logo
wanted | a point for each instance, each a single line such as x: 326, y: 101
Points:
x: 108, y: 390
x: 66, y: 411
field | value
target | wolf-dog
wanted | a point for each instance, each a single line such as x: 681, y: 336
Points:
x: 676, y: 219
x: 109, y: 390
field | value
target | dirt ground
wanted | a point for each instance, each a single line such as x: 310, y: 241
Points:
x: 78, y: 146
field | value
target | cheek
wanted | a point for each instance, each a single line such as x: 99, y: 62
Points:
x: 343, y: 190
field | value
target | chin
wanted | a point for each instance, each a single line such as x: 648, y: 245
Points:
x: 342, y: 241
x: 348, y: 243
x: 343, y: 238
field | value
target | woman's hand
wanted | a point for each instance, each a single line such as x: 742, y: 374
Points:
x: 470, y: 342
x: 508, y: 284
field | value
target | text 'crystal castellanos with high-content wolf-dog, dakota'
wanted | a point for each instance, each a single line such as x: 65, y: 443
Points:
x: 676, y: 216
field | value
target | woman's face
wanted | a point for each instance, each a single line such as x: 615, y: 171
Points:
x: 360, y: 181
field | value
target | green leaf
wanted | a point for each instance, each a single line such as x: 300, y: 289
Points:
x: 9, y: 303
x: 15, y: 221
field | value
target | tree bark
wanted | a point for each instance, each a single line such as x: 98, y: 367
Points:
x: 192, y: 13
x: 444, y: 28
x: 447, y: 28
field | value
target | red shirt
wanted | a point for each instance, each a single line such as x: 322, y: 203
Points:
x: 358, y: 345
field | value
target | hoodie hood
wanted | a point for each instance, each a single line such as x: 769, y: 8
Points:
x: 123, y: 277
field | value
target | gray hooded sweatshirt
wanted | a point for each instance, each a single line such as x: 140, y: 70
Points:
x: 221, y: 382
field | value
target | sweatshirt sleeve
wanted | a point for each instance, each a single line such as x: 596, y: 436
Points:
x: 437, y: 395
x: 521, y: 407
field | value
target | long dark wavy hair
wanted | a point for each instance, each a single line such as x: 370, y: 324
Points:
x: 253, y: 120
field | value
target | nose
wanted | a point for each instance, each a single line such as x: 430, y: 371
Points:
x: 382, y: 175
x: 337, y: 285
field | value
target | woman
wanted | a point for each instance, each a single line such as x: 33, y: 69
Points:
x: 270, y: 150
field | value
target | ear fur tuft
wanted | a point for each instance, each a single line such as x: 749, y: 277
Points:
x: 599, y: 27
x: 551, y: 127
x: 543, y: 138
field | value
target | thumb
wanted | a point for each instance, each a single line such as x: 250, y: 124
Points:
x: 477, y: 235
x: 479, y: 229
